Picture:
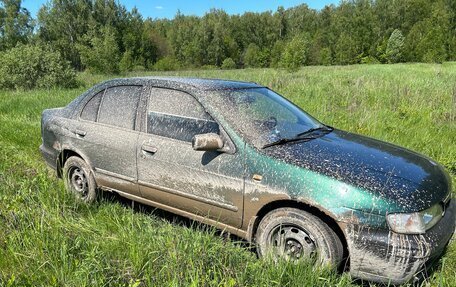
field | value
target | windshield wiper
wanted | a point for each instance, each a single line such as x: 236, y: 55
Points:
x: 320, y: 128
x: 303, y: 136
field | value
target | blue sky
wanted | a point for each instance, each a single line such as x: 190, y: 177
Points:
x: 168, y: 8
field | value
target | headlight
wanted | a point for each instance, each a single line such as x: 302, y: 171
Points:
x: 415, y: 223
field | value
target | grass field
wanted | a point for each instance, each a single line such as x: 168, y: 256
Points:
x: 49, y: 239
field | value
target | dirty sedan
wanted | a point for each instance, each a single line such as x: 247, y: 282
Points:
x: 241, y: 157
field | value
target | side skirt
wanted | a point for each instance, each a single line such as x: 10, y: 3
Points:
x: 236, y: 231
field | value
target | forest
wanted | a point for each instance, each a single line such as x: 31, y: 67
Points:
x: 102, y: 36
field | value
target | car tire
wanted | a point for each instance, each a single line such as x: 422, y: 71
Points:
x: 294, y: 234
x: 79, y: 180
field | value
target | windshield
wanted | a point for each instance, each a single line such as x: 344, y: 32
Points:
x: 262, y: 116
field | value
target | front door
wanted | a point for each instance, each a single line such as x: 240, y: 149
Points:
x: 170, y: 172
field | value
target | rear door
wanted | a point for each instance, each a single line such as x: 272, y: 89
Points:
x: 170, y: 172
x: 107, y: 136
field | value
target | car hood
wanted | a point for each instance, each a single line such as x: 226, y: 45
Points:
x: 411, y: 180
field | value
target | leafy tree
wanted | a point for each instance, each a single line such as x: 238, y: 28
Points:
x: 325, y: 57
x: 131, y: 42
x: 252, y: 56
x: 151, y: 50
x: 369, y: 60
x: 127, y: 62
x: 153, y: 45
x: 437, y: 38
x: 296, y: 52
x: 260, y: 29
x: 355, y: 31
x: 428, y: 39
x: 413, y: 11
x: 319, y: 53
x: 16, y: 24
x: 228, y: 64
x: 281, y: 22
x: 346, y: 50
x: 380, y: 50
x: 167, y: 64
x: 108, y: 13
x: 395, y: 47
x: 101, y: 54
x: 412, y: 40
x: 276, y: 53
x: 433, y: 46
x: 62, y: 24
x: 301, y: 19
x: 365, y: 28
x: 216, y: 33
x: 34, y: 66
x: 451, y: 8
x: 185, y: 46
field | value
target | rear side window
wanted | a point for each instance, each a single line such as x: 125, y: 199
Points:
x: 90, y: 111
x: 119, y: 105
x: 177, y: 115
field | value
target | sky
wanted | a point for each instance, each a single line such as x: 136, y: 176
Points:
x: 168, y: 8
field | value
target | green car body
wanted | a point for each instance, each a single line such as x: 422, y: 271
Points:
x: 248, y: 167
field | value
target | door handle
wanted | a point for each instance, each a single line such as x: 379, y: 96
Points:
x: 149, y: 148
x: 80, y: 133
x: 257, y: 178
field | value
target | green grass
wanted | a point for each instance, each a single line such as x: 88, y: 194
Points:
x: 49, y: 239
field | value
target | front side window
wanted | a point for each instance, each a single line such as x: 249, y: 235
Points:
x: 177, y: 115
x: 119, y: 106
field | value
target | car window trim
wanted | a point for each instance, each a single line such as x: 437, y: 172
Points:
x: 164, y: 88
x: 113, y: 126
x: 142, y: 108
x: 147, y: 94
x: 184, y: 117
x: 90, y: 97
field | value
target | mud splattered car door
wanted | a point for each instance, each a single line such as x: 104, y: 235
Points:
x: 170, y: 172
x: 107, y: 136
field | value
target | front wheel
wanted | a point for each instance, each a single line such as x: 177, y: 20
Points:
x: 294, y: 234
x: 79, y: 180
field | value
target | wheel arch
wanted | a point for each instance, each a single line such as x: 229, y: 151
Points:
x: 324, y: 216
x: 67, y: 153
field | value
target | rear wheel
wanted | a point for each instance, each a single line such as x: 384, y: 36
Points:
x: 79, y: 180
x: 294, y: 234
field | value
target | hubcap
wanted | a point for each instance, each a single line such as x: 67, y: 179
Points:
x: 291, y: 242
x: 78, y: 181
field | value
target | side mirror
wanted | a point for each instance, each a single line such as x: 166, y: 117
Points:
x: 207, y: 142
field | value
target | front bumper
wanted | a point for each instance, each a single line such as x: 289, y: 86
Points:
x: 384, y: 256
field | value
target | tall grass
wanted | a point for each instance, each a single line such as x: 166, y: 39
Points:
x: 49, y: 239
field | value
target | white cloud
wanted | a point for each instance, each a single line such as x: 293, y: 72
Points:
x: 158, y: 7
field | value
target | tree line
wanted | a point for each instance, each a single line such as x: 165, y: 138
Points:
x: 104, y: 37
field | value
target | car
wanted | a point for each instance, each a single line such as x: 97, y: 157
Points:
x: 241, y: 157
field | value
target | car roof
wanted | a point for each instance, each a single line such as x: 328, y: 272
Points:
x: 183, y: 83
